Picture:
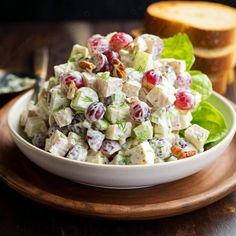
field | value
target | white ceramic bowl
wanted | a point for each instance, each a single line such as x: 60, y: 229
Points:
x: 110, y: 176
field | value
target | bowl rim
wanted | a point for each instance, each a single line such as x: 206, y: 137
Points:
x: 24, y: 142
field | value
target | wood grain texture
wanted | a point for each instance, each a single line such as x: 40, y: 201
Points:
x: 20, y: 216
x: 196, y: 191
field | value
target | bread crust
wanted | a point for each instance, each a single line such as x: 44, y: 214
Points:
x: 214, y: 64
x: 164, y: 28
x: 219, y: 82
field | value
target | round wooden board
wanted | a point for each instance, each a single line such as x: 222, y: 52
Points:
x: 196, y: 191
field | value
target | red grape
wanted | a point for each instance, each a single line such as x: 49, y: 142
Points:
x: 110, y: 54
x: 183, y: 80
x: 101, y: 62
x: 139, y: 111
x: 74, y: 77
x: 110, y: 147
x: 95, y: 139
x: 97, y: 44
x: 120, y: 40
x: 95, y: 111
x: 151, y: 78
x: 184, y: 100
x: 39, y: 140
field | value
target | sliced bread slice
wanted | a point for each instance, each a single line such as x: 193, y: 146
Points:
x: 219, y: 81
x: 207, y: 24
x: 215, y: 60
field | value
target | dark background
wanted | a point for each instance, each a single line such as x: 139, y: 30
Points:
x: 56, y: 10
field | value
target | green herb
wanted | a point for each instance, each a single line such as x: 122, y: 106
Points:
x: 179, y: 47
x: 105, y: 75
x: 143, y: 135
x: 120, y: 137
x: 87, y: 99
x: 122, y: 105
x: 211, y: 119
x: 201, y: 83
x: 140, y: 69
x: 122, y: 125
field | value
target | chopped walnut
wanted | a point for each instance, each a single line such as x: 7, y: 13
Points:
x: 86, y: 65
x: 179, y: 152
x: 118, y: 68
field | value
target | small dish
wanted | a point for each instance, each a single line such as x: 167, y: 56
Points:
x: 121, y: 177
x: 13, y: 82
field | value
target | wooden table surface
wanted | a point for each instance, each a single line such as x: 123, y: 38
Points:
x: 21, y: 216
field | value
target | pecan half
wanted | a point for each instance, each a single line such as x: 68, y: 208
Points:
x: 86, y: 65
x: 180, y: 153
x: 118, y: 68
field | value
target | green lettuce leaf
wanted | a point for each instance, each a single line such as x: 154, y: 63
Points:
x: 201, y: 83
x: 179, y: 47
x: 211, y: 119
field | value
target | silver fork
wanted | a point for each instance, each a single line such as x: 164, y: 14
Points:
x: 41, y: 58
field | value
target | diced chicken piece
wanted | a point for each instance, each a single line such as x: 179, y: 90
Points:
x: 77, y: 153
x: 118, y: 98
x: 177, y: 65
x: 162, y: 122
x: 74, y: 139
x: 35, y: 125
x: 59, y: 70
x: 119, y: 131
x: 161, y: 147
x: 30, y: 111
x: 196, y: 135
x: 167, y: 71
x: 172, y: 138
x: 58, y: 99
x: 57, y: 144
x: 96, y: 157
x: 131, y: 88
x: 154, y: 45
x: 133, y: 75
x: 90, y: 80
x: 63, y: 116
x: 141, y: 154
x: 95, y: 139
x: 180, y: 119
x: 168, y: 85
x: 160, y: 96
x: 106, y: 87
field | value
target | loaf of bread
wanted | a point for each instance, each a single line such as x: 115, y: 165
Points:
x: 207, y: 24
